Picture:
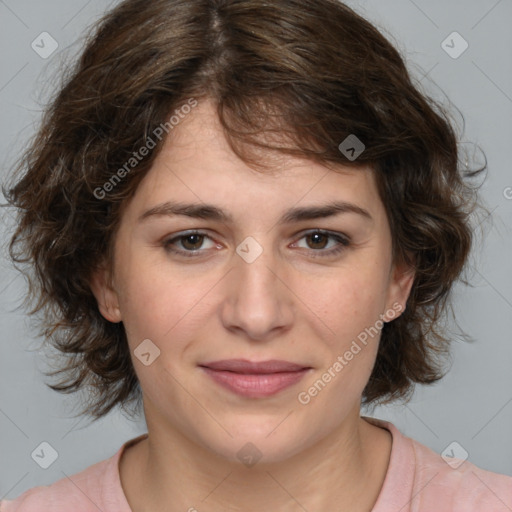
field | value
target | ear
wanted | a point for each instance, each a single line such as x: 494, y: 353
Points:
x: 401, y: 281
x: 106, y: 296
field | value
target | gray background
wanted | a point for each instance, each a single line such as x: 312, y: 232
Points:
x: 472, y: 405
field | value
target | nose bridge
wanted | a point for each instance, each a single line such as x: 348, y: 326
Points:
x: 255, y: 272
x: 258, y: 278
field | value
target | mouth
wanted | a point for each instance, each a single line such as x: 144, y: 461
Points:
x: 255, y: 379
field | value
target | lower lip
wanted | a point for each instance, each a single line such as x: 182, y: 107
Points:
x: 255, y: 385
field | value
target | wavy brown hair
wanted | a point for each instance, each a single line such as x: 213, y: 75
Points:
x: 304, y: 74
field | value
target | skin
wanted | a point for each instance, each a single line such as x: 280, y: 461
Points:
x: 291, y: 303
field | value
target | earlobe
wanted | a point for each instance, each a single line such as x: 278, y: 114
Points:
x: 106, y: 297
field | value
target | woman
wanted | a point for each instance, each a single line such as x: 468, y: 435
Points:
x: 245, y: 218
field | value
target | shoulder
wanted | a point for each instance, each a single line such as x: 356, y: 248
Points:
x: 65, y: 492
x: 421, y: 480
x: 98, y: 487
x: 459, y: 483
x: 76, y: 492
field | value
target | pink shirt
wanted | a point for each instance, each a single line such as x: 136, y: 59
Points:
x: 418, y: 480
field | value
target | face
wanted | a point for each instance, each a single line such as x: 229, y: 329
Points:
x: 267, y: 270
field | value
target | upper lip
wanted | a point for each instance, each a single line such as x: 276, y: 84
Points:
x: 245, y: 366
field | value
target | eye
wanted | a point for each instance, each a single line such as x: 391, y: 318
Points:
x: 318, y: 240
x: 191, y: 243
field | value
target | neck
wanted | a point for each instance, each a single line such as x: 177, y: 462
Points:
x: 167, y: 471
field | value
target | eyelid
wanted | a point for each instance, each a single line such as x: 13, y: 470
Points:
x: 168, y: 242
x: 332, y: 234
x: 342, y: 239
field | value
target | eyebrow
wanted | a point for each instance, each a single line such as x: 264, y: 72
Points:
x: 212, y: 212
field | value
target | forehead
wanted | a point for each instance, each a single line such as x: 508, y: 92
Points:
x: 196, y: 164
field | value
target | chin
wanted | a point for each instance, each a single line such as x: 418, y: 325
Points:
x: 258, y: 441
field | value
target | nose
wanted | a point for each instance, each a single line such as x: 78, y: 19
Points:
x: 258, y: 300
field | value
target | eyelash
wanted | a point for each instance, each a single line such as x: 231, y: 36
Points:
x: 343, y: 241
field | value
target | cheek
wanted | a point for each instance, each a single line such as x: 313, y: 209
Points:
x: 349, y: 301
x: 158, y: 304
